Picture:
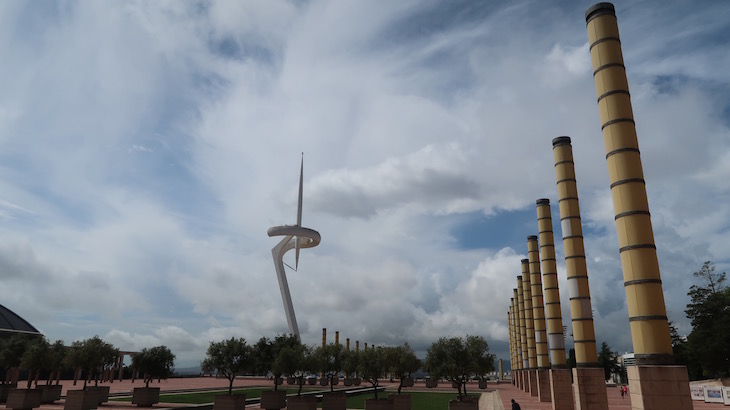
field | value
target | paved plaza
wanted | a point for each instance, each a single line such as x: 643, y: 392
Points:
x: 505, y: 391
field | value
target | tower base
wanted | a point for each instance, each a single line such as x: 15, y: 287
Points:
x: 543, y: 385
x: 659, y: 387
x: 589, y: 389
x: 561, y: 385
x: 532, y: 382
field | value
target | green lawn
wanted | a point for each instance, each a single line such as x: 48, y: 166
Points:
x: 419, y: 400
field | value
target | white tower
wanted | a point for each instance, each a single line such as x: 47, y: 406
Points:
x: 295, y: 237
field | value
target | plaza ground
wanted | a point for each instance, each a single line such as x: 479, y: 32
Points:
x: 505, y: 391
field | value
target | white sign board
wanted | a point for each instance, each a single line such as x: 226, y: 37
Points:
x: 726, y: 395
x: 697, y: 391
x: 713, y: 394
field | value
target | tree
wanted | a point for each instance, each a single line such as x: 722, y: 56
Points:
x: 11, y: 352
x: 372, y: 366
x: 350, y: 363
x: 457, y: 360
x: 608, y: 360
x: 571, y: 359
x: 58, y: 353
x: 37, y: 356
x: 294, y: 361
x: 92, y: 355
x: 154, y: 363
x: 709, y: 313
x: 402, y: 361
x: 228, y: 358
x: 328, y: 359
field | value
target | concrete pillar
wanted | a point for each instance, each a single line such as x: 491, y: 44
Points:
x: 357, y: 345
x: 324, y: 336
x: 500, y: 371
x: 538, y: 315
x: 347, y: 344
x: 529, y: 329
x: 561, y: 384
x: 337, y: 337
x: 589, y: 387
x: 525, y: 364
x: 639, y: 263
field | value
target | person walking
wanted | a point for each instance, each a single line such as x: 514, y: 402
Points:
x: 625, y: 390
x: 622, y: 391
x: 515, y: 405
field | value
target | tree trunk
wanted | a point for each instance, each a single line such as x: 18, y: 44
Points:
x: 230, y: 384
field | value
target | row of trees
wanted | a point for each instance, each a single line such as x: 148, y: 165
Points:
x: 706, y: 350
x: 92, y: 356
x: 454, y: 359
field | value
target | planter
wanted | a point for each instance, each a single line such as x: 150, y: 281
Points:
x: 483, y: 384
x: 464, y: 405
x: 335, y: 381
x: 347, y: 382
x: 408, y: 382
x: 23, y: 399
x: 334, y: 401
x: 301, y: 403
x: 5, y: 389
x: 290, y: 380
x: 323, y: 381
x: 145, y: 396
x: 81, y: 400
x: 356, y: 381
x: 455, y: 385
x: 102, y: 393
x: 50, y: 392
x: 273, y: 400
x: 378, y: 404
x: 401, y: 401
x: 230, y: 402
x: 278, y: 381
x: 312, y: 381
x: 431, y: 383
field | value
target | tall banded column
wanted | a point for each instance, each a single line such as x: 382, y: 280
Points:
x: 575, y: 260
x: 529, y: 329
x: 538, y: 307
x: 525, y: 364
x: 642, y: 279
x: 538, y: 314
x: 561, y: 384
x: 590, y: 390
x: 518, y: 337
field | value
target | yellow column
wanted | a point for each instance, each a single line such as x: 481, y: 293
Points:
x: 642, y: 281
x: 347, y: 344
x: 553, y: 313
x: 524, y: 364
x: 529, y: 330
x: 324, y: 336
x: 337, y: 337
x: 581, y: 311
x: 538, y: 308
x: 561, y: 385
x: 654, y: 382
x: 542, y: 374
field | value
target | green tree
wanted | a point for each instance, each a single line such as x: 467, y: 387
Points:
x: 295, y: 361
x: 350, y: 363
x: 154, y: 363
x: 329, y: 359
x: 571, y: 358
x: 228, y: 358
x: 608, y: 360
x: 37, y: 356
x: 58, y: 353
x: 457, y: 360
x: 402, y: 361
x: 91, y: 355
x: 11, y: 352
x: 372, y: 366
x: 709, y: 313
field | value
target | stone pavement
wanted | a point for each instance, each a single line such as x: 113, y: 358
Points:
x: 505, y: 392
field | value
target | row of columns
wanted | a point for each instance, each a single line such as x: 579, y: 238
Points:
x: 537, y: 345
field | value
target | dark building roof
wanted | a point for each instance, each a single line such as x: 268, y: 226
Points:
x: 11, y: 323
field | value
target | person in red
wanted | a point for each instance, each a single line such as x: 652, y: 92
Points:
x: 625, y: 390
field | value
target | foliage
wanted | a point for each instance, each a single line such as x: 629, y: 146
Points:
x: 457, y: 360
x: 37, y: 356
x: 58, y: 354
x: 228, y: 358
x: 571, y: 359
x: 92, y: 355
x: 329, y: 360
x: 402, y: 361
x: 350, y: 362
x: 708, y: 345
x: 266, y: 351
x: 11, y: 352
x: 294, y: 361
x: 372, y: 365
x: 608, y: 360
x: 154, y: 363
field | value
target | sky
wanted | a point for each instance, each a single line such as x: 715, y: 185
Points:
x: 146, y: 148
